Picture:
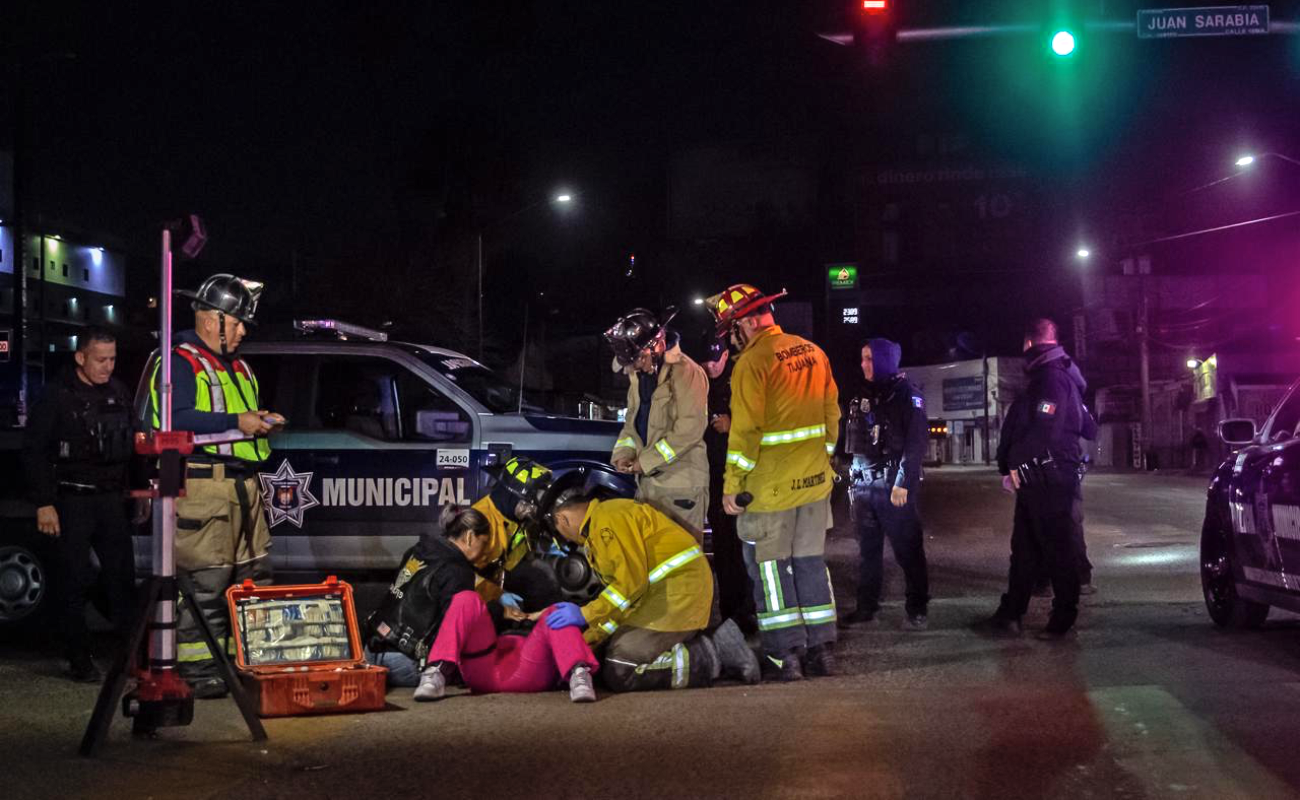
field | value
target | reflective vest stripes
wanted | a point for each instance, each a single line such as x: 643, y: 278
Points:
x: 818, y: 615
x: 219, y: 392
x: 626, y: 441
x: 685, y: 557
x: 609, y: 626
x: 737, y: 458
x: 614, y: 597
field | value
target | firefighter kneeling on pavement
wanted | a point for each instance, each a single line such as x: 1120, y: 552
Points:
x: 508, y: 505
x: 785, y: 417
x: 222, y: 537
x: 655, y: 606
x: 662, y: 441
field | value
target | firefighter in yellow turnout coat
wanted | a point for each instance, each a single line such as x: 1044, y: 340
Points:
x: 512, y: 499
x: 784, y: 425
x: 658, y: 592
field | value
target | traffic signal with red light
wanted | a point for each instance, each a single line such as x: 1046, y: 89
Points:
x: 874, y: 26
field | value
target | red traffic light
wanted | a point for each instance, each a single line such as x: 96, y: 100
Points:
x: 875, y: 6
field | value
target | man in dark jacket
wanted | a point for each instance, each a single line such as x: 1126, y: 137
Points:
x: 399, y: 633
x: 885, y: 433
x: 735, y: 593
x: 1040, y: 458
x: 76, y: 451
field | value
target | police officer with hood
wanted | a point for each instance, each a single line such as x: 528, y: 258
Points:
x: 76, y: 451
x: 885, y: 433
x: 1041, y: 460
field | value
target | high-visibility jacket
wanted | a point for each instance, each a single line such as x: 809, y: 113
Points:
x: 507, y: 545
x: 785, y: 420
x: 673, y: 453
x: 655, y: 575
x: 218, y: 390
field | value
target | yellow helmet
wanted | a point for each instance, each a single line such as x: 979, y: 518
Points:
x: 737, y: 302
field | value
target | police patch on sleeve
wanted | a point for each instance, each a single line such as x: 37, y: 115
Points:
x: 1047, y: 409
x: 918, y: 401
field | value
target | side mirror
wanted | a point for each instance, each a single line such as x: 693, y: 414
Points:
x: 1237, y: 432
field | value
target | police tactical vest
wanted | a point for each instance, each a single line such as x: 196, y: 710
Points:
x: 408, y: 616
x: 875, y: 429
x: 220, y: 392
x: 99, y: 431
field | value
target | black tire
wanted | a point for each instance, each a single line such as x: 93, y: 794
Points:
x: 27, y: 579
x: 1219, y: 586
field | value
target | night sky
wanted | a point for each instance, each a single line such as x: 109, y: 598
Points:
x: 350, y: 151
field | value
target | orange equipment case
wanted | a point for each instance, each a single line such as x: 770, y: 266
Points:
x: 298, y: 649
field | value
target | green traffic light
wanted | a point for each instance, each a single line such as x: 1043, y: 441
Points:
x: 1063, y: 43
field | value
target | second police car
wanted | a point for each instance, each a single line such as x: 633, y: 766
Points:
x: 1250, y: 541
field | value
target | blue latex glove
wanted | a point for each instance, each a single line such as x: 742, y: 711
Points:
x: 511, y: 600
x: 555, y: 550
x: 565, y: 615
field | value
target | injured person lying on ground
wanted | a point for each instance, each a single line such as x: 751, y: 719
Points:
x: 651, y: 617
x: 433, y: 628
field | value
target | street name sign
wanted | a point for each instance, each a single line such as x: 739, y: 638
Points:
x: 1164, y: 23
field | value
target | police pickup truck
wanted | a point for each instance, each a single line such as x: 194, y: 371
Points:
x: 380, y: 435
x: 1250, y: 542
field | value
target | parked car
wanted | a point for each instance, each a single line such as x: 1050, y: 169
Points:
x: 1250, y: 542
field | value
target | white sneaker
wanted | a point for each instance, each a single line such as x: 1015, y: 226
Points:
x: 581, y: 688
x: 433, y: 685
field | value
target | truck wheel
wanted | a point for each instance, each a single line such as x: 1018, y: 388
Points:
x: 26, y: 582
x: 1226, y: 607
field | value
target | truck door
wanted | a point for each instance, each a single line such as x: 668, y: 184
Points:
x: 1279, y: 486
x: 371, y: 453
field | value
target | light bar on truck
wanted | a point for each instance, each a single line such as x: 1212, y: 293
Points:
x: 341, y: 330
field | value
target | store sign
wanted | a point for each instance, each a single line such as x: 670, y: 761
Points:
x: 842, y: 276
x: 963, y: 394
x: 4, y: 345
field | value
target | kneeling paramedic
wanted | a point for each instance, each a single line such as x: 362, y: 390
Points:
x: 432, y: 625
x: 662, y: 441
x: 785, y: 418
x: 655, y: 606
x: 508, y: 505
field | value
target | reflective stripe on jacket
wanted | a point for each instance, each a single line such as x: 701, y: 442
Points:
x: 218, y: 391
x: 655, y: 575
x: 785, y: 421
x: 674, y: 456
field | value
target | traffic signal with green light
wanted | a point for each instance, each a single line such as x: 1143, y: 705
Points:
x: 1063, y: 43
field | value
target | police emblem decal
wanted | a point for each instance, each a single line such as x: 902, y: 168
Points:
x: 287, y: 494
x: 1047, y: 408
x: 918, y: 401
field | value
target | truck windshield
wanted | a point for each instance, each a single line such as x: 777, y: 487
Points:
x: 491, y: 390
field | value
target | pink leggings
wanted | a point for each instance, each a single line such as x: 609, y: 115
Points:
x: 532, y: 663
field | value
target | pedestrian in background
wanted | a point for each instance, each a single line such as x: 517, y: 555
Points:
x: 886, y: 434
x: 76, y: 453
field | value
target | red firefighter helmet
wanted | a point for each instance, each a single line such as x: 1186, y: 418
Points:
x: 737, y: 302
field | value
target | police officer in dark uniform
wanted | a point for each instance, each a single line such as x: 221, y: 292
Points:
x: 76, y: 453
x: 1041, y: 460
x: 885, y: 433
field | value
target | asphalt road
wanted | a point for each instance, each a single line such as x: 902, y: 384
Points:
x: 1149, y: 701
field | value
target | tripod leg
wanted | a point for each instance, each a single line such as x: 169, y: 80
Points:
x: 228, y: 673
x: 110, y: 694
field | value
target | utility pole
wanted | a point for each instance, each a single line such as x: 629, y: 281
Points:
x: 987, y: 459
x: 1142, y: 265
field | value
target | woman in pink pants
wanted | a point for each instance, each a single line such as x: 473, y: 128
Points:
x: 467, y: 641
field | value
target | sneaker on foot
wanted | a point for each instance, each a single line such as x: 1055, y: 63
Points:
x: 581, y: 687
x: 433, y: 684
x: 738, y: 661
x: 784, y: 670
x: 916, y: 622
x: 82, y: 669
x: 819, y: 661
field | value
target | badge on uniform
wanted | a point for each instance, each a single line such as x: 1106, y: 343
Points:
x: 918, y: 401
x: 1046, y: 408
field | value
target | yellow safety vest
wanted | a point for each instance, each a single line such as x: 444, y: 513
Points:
x: 219, y: 392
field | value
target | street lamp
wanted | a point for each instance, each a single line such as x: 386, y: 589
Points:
x: 1246, y: 159
x: 1193, y: 363
x: 561, y: 198
x: 1083, y: 253
x: 699, y: 301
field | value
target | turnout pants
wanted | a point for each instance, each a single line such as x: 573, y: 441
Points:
x: 222, y: 539
x: 488, y: 663
x: 877, y: 519
x: 685, y: 505
x: 638, y: 659
x: 785, y: 555
x: 94, y: 522
x: 1043, y: 540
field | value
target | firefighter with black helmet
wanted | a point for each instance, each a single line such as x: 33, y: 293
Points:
x: 785, y: 418
x: 509, y: 504
x: 222, y: 537
x: 662, y: 441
